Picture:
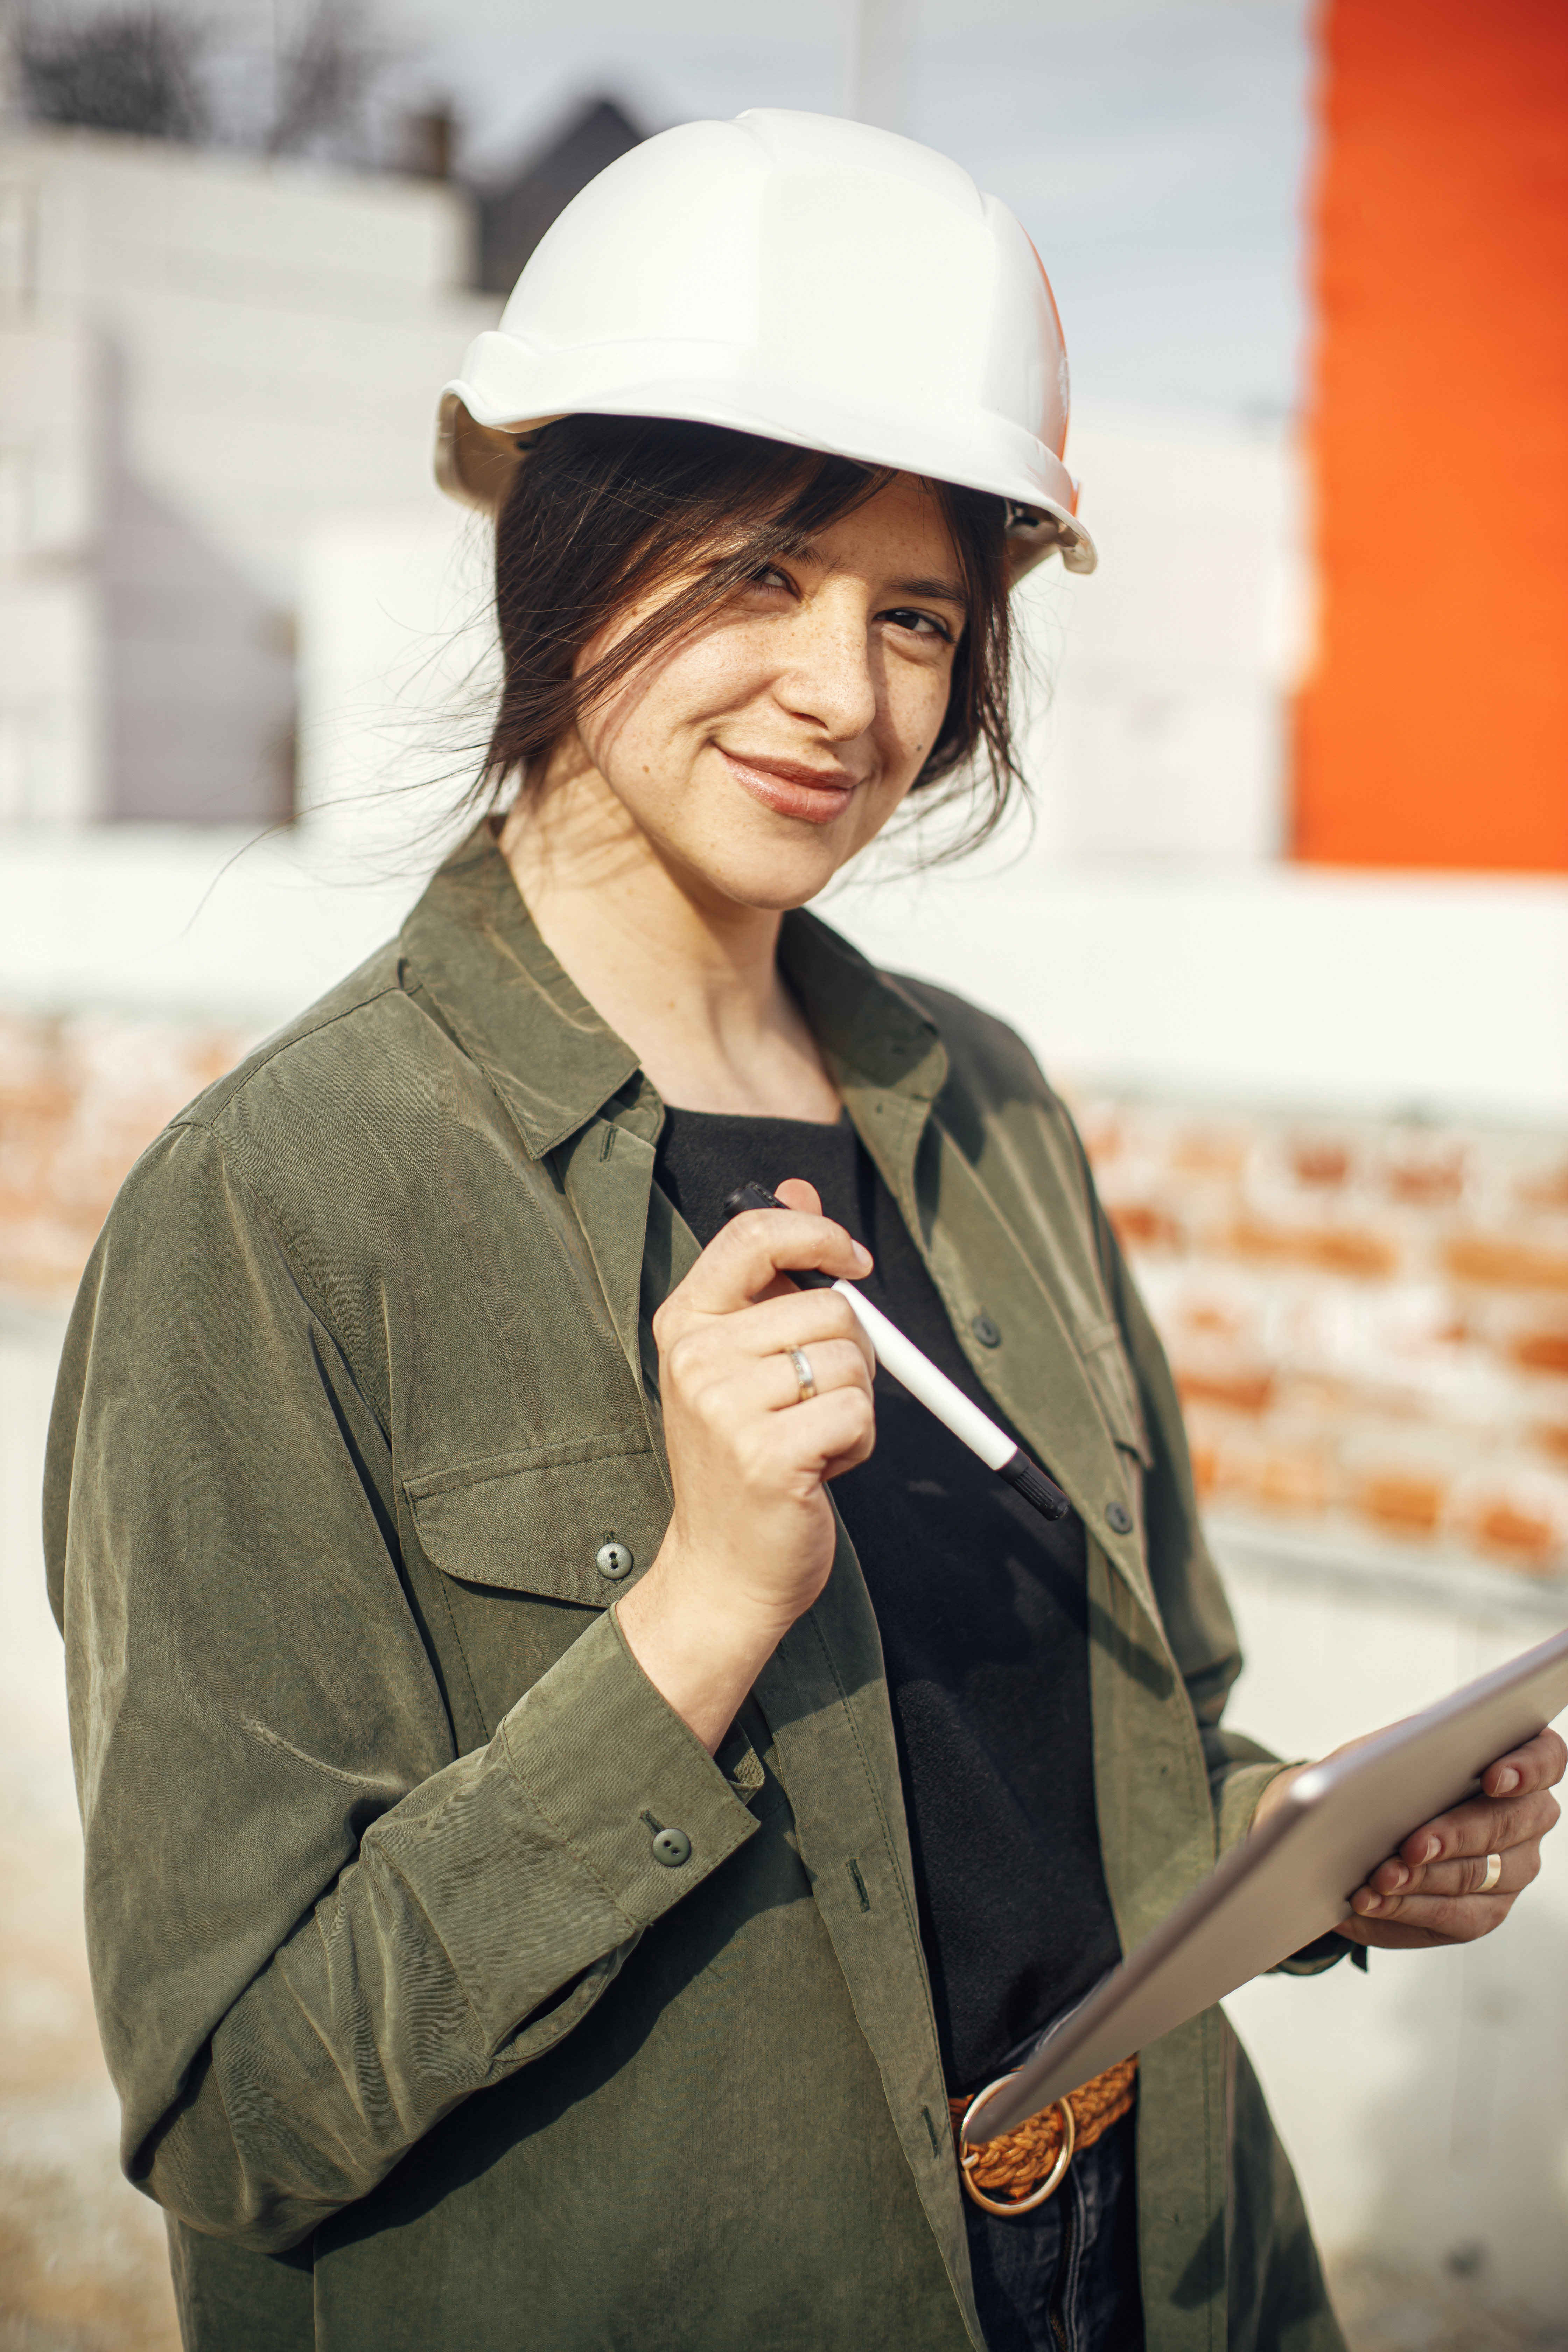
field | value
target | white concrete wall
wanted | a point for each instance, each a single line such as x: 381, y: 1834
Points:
x: 1410, y: 993
x: 1424, y: 2104
x: 398, y: 669
x: 1161, y: 735
x: 207, y: 352
x: 285, y: 326
x: 1425, y: 997
x: 49, y: 497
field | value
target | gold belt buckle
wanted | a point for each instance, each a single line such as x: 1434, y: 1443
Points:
x: 970, y: 2157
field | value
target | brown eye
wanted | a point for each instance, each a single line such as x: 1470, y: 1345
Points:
x: 920, y: 623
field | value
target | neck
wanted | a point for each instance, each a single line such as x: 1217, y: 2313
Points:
x: 689, y: 977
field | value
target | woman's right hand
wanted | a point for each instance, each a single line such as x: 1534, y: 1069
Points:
x: 751, y: 1537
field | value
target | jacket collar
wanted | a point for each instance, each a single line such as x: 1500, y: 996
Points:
x: 555, y: 1063
x: 474, y: 946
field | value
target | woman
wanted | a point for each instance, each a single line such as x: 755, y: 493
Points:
x: 551, y: 1875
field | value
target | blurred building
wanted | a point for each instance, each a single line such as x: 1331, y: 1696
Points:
x: 201, y: 354
x: 514, y: 213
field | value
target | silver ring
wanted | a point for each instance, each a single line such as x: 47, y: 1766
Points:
x: 1494, y: 1872
x: 802, y: 1374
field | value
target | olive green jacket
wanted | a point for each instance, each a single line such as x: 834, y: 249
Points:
x: 418, y: 2042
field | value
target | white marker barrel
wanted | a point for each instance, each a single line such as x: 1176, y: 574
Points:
x: 933, y: 1388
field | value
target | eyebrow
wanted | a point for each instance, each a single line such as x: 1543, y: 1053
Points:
x: 946, y: 592
x: 943, y: 592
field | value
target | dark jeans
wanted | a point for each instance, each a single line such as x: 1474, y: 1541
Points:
x: 1065, y: 2278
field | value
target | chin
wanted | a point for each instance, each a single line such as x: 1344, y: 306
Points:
x: 775, y: 895
x: 771, y: 881
x: 767, y: 864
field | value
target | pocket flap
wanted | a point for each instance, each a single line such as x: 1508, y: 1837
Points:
x: 535, y: 1521
x: 1111, y: 1374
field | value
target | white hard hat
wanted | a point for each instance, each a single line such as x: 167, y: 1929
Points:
x: 800, y: 277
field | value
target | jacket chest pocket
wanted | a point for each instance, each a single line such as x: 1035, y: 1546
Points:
x: 1115, y: 1390
x: 527, y: 1548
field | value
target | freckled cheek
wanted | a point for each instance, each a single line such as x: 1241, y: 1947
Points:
x: 915, y: 712
x: 697, y: 687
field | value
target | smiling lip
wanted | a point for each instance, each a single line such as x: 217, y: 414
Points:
x: 818, y: 795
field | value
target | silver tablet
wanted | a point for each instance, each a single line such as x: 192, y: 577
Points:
x: 1290, y: 1881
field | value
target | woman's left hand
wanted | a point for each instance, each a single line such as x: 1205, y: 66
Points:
x: 1430, y: 1892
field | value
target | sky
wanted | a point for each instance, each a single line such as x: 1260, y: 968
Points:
x: 1155, y: 149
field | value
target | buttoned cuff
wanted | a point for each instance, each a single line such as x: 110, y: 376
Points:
x: 534, y: 1864
x: 1237, y: 1798
x: 622, y: 1780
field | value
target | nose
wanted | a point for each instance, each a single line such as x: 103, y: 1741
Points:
x: 832, y: 677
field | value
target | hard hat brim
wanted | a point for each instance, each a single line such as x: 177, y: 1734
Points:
x: 478, y: 456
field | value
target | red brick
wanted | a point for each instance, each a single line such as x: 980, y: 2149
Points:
x: 1501, y: 1264
x: 77, y: 1102
x: 1292, y: 1479
x: 1237, y: 1391
x: 1211, y: 1151
x: 1403, y: 1502
x: 1204, y: 1315
x: 1541, y: 1351
x: 1320, y: 1165
x: 1426, y: 1184
x: 1142, y: 1226
x: 1204, y: 1453
x: 1275, y: 1472
x: 1524, y: 1539
x: 1545, y: 1192
x: 1331, y: 1249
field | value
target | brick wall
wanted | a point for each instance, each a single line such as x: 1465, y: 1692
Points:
x: 78, y: 1099
x: 1369, y: 1320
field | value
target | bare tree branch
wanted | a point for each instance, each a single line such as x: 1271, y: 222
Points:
x: 129, y: 70
x: 325, y: 77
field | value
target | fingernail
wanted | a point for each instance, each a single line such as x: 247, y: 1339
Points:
x: 862, y: 1255
x: 1433, y: 1848
x: 1372, y: 1903
x: 1402, y: 1877
x: 1505, y: 1781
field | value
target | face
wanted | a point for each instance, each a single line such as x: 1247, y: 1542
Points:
x: 757, y: 756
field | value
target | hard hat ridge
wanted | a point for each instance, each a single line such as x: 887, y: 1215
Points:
x: 812, y: 280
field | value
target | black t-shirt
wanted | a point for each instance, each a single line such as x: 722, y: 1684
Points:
x: 983, y: 1617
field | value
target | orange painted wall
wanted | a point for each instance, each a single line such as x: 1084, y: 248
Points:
x: 1434, y: 730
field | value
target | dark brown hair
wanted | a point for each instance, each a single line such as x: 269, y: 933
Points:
x: 607, y: 509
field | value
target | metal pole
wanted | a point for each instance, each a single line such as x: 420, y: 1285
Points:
x: 876, y: 82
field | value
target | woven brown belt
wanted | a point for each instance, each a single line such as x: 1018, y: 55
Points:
x: 1022, y: 2168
